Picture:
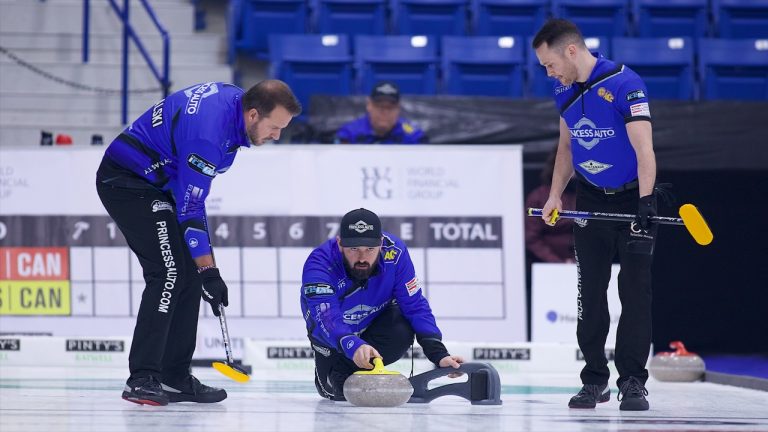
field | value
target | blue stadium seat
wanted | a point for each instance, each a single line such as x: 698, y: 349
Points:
x: 539, y: 85
x: 740, y: 18
x: 351, y: 17
x: 312, y: 64
x: 430, y: 17
x: 665, y: 64
x: 734, y: 68
x: 671, y: 18
x: 508, y: 17
x: 483, y: 65
x: 595, y: 17
x: 254, y: 20
x: 410, y: 61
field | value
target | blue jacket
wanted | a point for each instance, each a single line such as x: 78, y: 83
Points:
x: 180, y: 144
x: 359, y: 131
x: 337, y: 308
x: 597, y: 113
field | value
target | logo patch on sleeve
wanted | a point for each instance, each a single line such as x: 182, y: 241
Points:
x: 391, y: 254
x: 413, y: 286
x: 605, y: 94
x: 640, y: 109
x: 633, y: 95
x: 201, y: 165
x: 318, y: 289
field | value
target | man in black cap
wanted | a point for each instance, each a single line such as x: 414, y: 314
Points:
x: 382, y: 124
x: 361, y: 299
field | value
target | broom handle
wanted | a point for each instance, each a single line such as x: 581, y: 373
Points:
x: 574, y: 214
x: 225, y: 333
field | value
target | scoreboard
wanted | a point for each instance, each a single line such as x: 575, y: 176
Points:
x: 459, y: 210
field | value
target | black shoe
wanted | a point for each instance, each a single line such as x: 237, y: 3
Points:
x: 337, y: 380
x: 590, y: 395
x: 632, y: 395
x: 145, y: 390
x: 190, y: 389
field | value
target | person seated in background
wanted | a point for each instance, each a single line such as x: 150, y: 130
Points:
x: 552, y: 244
x: 382, y: 124
x: 361, y: 299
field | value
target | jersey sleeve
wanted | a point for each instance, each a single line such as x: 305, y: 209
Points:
x: 197, y: 144
x: 409, y: 296
x: 632, y: 100
x: 322, y: 305
x: 416, y: 309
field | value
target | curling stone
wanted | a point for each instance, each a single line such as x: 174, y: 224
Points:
x: 378, y: 387
x: 677, y: 366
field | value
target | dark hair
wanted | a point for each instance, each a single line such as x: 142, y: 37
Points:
x: 268, y: 94
x: 558, y: 31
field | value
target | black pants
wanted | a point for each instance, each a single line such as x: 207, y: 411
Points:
x: 166, y: 325
x: 390, y: 333
x: 597, y: 243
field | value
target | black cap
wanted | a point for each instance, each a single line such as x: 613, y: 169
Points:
x: 385, y: 90
x: 360, y: 227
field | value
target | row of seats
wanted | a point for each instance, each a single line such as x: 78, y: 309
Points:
x: 253, y: 20
x: 673, y: 68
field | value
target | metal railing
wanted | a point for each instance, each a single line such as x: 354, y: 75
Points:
x: 130, y: 34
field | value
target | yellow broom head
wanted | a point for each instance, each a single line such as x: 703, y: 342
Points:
x: 231, y: 372
x: 696, y: 224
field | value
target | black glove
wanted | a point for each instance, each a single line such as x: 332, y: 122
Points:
x: 646, y: 209
x: 214, y: 289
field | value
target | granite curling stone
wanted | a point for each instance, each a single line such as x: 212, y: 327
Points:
x: 378, y: 387
x: 677, y: 366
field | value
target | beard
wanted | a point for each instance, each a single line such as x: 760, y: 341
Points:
x: 359, y: 270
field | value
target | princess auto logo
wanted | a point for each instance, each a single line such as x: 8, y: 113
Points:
x: 357, y: 314
x: 588, y: 134
x: 197, y: 94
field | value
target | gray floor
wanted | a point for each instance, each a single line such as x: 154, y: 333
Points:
x: 57, y: 399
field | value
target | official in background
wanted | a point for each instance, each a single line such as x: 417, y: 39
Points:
x: 153, y: 181
x: 361, y: 299
x: 606, y: 140
x: 382, y: 124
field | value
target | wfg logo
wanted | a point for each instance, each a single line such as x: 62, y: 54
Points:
x: 377, y: 183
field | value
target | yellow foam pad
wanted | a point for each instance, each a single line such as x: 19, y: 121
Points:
x: 230, y: 372
x: 696, y: 224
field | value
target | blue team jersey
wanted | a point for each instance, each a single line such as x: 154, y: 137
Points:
x: 180, y: 144
x: 337, y: 309
x: 359, y: 131
x: 596, y: 113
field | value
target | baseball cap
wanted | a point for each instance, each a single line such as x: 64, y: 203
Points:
x: 360, y: 227
x: 386, y: 90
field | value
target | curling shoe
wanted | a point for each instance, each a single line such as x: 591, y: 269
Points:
x: 190, y: 389
x: 145, y: 391
x: 590, y: 395
x: 632, y: 395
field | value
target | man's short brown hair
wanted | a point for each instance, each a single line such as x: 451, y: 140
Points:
x: 558, y: 31
x: 268, y: 94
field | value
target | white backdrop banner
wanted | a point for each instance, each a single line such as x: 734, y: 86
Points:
x: 65, y: 268
x: 554, y: 306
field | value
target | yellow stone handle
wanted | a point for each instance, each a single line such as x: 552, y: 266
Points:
x: 378, y: 369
